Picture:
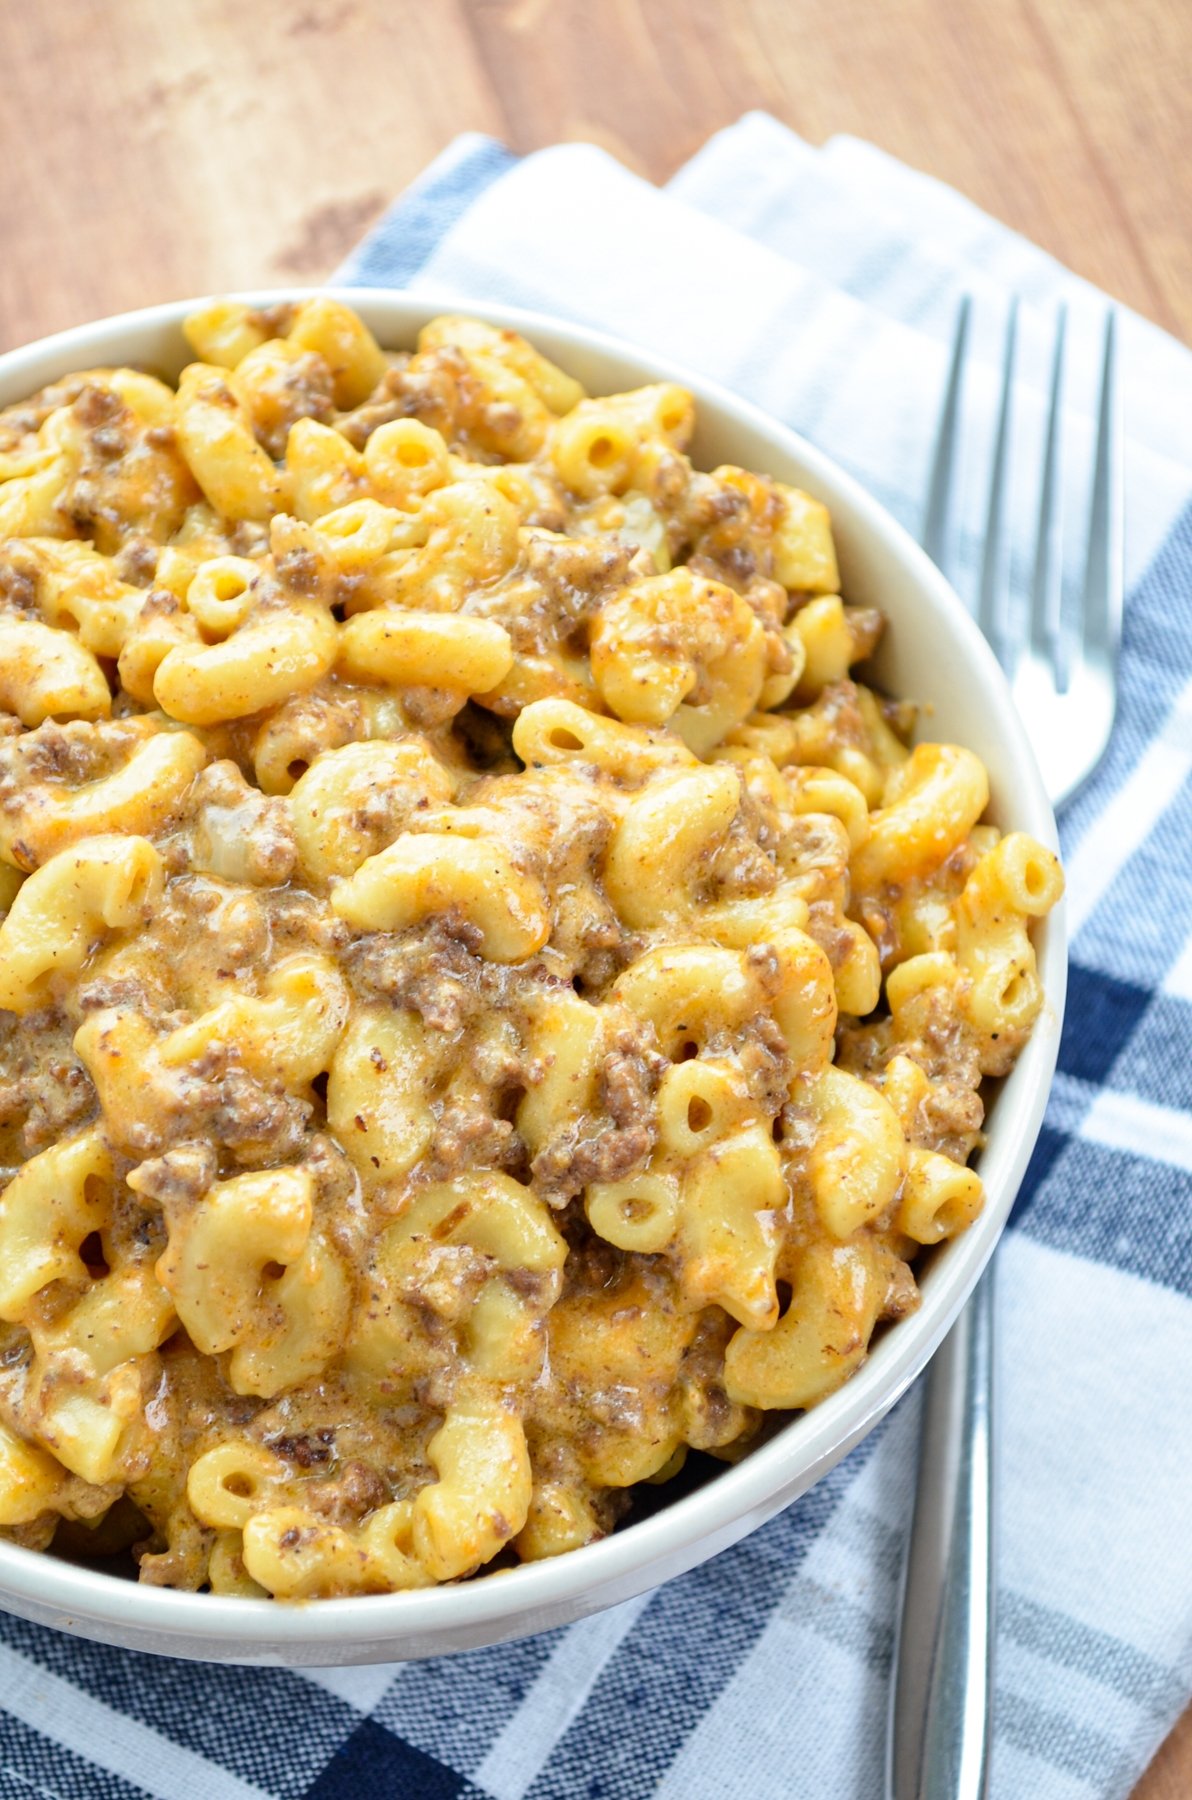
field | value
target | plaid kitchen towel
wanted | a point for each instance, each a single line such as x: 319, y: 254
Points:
x: 823, y: 285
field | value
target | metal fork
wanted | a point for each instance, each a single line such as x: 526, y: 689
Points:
x: 1063, y: 673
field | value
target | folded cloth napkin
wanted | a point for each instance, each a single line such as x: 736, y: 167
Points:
x: 822, y: 284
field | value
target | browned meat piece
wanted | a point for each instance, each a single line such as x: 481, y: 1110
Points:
x: 44, y: 1089
x: 179, y: 1177
x: 258, y: 1124
x: 435, y: 972
x: 350, y: 1497
x: 239, y: 833
x: 617, y: 1138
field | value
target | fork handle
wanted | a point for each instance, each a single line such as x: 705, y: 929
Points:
x: 942, y: 1692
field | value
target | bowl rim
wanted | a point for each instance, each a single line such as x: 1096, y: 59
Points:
x: 808, y: 1444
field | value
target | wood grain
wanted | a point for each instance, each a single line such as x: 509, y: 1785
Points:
x: 1170, y: 1775
x: 163, y: 149
x: 208, y: 143
x: 191, y: 147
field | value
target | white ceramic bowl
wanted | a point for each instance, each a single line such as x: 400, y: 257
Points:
x: 932, y: 652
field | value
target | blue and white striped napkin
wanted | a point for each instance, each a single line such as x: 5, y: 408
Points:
x: 822, y: 284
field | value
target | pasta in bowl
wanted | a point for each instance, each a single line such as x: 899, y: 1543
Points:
x: 494, y: 1000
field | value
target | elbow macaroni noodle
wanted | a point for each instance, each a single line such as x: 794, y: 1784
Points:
x: 489, y: 1002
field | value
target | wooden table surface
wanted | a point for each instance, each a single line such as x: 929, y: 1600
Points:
x: 158, y: 148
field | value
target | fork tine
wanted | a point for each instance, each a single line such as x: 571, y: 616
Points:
x: 990, y: 597
x: 943, y: 463
x: 1047, y: 584
x: 1101, y: 616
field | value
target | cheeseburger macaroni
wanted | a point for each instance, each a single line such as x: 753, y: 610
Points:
x: 489, y: 1002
